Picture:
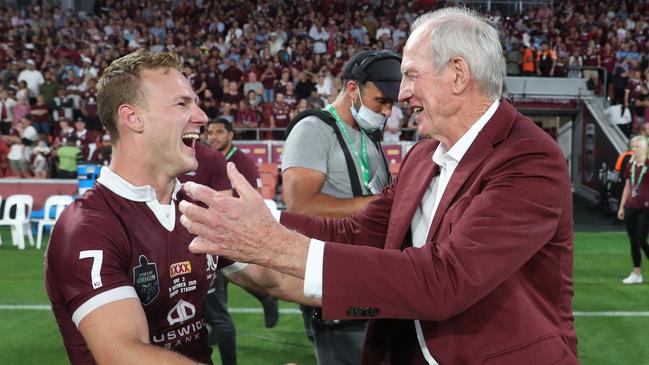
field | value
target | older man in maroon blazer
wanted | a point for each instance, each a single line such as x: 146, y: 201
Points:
x: 467, y: 257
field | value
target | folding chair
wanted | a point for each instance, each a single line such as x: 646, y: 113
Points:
x: 56, y: 203
x: 19, y: 222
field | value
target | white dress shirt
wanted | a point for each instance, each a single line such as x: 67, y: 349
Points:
x: 447, y: 160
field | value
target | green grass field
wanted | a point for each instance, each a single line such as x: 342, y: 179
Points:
x: 601, y: 261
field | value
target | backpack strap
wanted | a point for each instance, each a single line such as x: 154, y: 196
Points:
x: 357, y: 188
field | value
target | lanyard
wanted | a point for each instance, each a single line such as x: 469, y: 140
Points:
x: 642, y: 172
x: 363, y: 159
x: 232, y: 151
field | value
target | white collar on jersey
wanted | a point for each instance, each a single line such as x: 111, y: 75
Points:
x: 166, y: 213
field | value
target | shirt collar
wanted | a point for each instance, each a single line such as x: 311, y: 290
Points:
x: 442, y: 155
x: 126, y: 190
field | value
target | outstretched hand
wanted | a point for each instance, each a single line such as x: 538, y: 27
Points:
x: 242, y: 229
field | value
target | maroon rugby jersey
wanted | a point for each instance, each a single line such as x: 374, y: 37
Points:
x: 246, y: 167
x: 118, y: 242
x: 211, y: 169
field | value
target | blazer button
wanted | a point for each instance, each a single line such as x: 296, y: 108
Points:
x: 353, y: 311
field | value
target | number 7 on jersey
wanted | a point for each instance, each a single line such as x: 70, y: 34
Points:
x: 97, y: 259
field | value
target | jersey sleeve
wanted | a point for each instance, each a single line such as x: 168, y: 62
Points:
x: 308, y: 142
x: 87, y: 262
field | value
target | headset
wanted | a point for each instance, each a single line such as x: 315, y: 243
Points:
x: 359, y: 71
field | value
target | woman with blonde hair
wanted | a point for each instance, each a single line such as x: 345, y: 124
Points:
x: 634, y: 206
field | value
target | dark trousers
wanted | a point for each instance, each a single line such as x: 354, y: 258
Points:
x: 335, y: 343
x: 222, y: 332
x: 637, y: 226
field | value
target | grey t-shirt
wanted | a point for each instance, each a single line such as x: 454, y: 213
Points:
x: 313, y: 144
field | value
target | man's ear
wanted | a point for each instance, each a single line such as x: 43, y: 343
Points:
x: 352, y: 89
x: 128, y: 116
x: 461, y: 74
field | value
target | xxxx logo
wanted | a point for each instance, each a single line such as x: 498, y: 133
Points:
x: 180, y: 268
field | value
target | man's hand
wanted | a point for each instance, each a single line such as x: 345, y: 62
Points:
x: 242, y: 229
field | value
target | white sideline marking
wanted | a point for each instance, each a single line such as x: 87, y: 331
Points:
x: 611, y: 314
x: 44, y: 307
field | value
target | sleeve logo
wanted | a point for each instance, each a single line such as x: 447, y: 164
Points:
x: 146, y: 281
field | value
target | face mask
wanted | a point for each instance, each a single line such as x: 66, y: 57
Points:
x: 366, y: 118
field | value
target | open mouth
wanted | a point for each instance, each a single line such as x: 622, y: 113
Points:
x: 417, y: 109
x: 189, y: 139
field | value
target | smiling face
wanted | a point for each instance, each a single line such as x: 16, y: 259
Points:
x: 426, y: 91
x: 171, y: 120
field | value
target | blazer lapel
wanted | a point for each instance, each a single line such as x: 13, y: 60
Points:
x: 493, y: 132
x: 471, y: 160
x: 413, y: 186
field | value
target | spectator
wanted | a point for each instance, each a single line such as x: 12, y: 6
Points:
x: 40, y: 164
x: 575, y: 62
x: 545, y: 60
x: 314, y: 101
x: 253, y: 85
x: 67, y: 158
x: 41, y: 117
x: 393, y: 124
x: 246, y: 117
x: 232, y: 96
x: 620, y: 115
x: 209, y: 105
x: 50, y: 88
x: 84, y: 139
x: 323, y: 87
x: 63, y: 105
x: 620, y: 82
x: 281, y: 114
x: 633, y: 207
x: 7, y: 104
x: 303, y: 86
x: 514, y: 59
x: 268, y: 79
x: 21, y: 108
x: 103, y: 154
x: 635, y: 90
x: 290, y: 97
x: 32, y: 77
x: 591, y: 61
x: 319, y: 35
x: 22, y: 138
x: 528, y: 65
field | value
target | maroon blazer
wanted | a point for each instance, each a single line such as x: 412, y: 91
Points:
x: 492, y: 284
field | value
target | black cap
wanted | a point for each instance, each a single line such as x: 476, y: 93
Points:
x: 382, y: 67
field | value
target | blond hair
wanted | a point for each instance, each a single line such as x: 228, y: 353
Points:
x: 120, y: 83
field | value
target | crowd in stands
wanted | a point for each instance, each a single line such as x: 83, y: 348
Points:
x: 259, y: 63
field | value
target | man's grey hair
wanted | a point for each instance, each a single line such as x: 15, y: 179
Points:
x: 462, y: 32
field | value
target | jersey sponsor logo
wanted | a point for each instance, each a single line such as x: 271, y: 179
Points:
x: 179, y: 336
x: 181, y: 312
x: 146, y: 280
x: 180, y: 268
x: 212, y: 262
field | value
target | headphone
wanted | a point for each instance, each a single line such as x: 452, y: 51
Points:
x: 359, y: 71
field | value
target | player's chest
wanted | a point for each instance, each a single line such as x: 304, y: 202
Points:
x: 162, y: 269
